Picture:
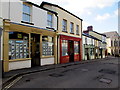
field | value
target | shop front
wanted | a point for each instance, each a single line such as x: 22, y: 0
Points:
x: 70, y: 49
x: 27, y: 46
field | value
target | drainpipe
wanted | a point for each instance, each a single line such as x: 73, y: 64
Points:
x: 57, y: 39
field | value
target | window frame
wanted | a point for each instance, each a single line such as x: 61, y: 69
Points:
x: 50, y: 21
x: 46, y: 50
x: 77, y: 29
x: 71, y: 27
x: 64, y: 25
x: 27, y: 14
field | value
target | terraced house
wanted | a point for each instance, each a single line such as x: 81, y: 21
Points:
x: 33, y: 35
x: 99, y: 42
x: 69, y: 34
x: 113, y: 43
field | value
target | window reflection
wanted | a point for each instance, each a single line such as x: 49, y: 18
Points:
x: 47, y: 46
x: 64, y: 47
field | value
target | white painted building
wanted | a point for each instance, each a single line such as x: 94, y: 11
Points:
x: 13, y: 14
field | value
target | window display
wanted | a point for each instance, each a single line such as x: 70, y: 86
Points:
x: 64, y: 47
x: 18, y: 48
x: 76, y: 47
x: 47, y: 46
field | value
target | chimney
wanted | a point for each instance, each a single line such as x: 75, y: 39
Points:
x: 90, y: 28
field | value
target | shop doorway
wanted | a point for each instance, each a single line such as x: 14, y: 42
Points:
x: 35, y: 50
x: 71, y: 50
x: 101, y: 55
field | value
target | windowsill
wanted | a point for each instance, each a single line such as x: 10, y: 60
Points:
x: 50, y: 28
x: 71, y: 32
x: 27, y: 22
x: 77, y: 34
x: 47, y: 56
x: 65, y: 31
x: 21, y: 59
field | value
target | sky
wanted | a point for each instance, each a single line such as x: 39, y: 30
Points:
x: 101, y: 14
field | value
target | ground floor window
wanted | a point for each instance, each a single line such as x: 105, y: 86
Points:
x: 76, y: 47
x: 91, y: 51
x: 18, y: 45
x: 64, y: 47
x: 47, y: 46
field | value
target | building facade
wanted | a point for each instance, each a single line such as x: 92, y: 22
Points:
x: 113, y: 43
x: 100, y: 42
x: 33, y: 35
x: 29, y: 35
x: 88, y: 47
x: 69, y: 34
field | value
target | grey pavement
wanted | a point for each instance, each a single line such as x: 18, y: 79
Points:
x: 100, y: 74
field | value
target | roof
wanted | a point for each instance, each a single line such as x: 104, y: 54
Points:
x: 90, y: 36
x: 38, y: 6
x: 46, y: 3
x: 99, y: 33
x: 112, y: 34
x: 86, y: 31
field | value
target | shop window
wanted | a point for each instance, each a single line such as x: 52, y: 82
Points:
x: 71, y: 27
x: 64, y: 47
x: 76, y: 47
x: 26, y: 13
x: 91, y: 51
x: 18, y: 45
x: 49, y: 20
x: 47, y: 46
x: 64, y: 25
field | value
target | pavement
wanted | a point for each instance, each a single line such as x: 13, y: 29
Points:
x: 11, y: 75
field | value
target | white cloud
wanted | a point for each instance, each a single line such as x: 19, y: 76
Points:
x: 103, y: 17
x: 85, y: 25
x: 79, y: 7
x: 116, y: 12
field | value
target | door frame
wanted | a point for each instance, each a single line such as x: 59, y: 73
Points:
x: 32, y: 58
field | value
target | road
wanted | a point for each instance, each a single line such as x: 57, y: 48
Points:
x: 99, y: 74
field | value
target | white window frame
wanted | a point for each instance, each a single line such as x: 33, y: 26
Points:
x: 64, y: 25
x: 50, y: 22
x: 25, y: 13
x: 71, y: 27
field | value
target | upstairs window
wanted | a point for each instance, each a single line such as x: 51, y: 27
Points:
x: 77, y: 29
x: 64, y: 25
x: 26, y: 13
x: 71, y: 27
x: 111, y: 43
x: 49, y: 20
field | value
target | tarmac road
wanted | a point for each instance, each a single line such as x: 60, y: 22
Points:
x: 100, y: 74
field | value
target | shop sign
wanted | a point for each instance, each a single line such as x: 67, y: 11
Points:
x: 19, y: 36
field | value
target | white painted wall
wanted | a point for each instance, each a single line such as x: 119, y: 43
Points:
x: 0, y: 8
x: 16, y: 11
x: 19, y: 64
x: 83, y: 39
x: 13, y: 11
x: 5, y: 10
x: 47, y: 61
x: 39, y: 17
